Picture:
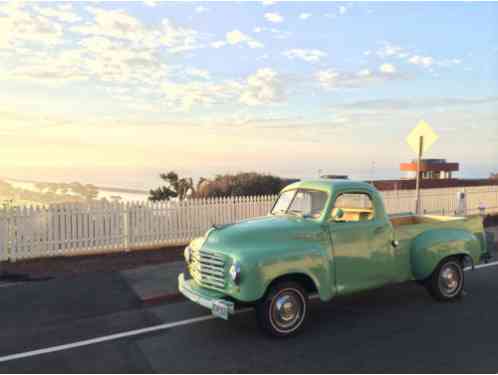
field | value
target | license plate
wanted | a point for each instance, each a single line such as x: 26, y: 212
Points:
x: 220, y: 310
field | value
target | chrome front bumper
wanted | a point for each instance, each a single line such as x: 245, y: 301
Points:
x: 202, y: 297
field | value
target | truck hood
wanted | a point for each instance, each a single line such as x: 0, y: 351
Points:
x: 256, y: 233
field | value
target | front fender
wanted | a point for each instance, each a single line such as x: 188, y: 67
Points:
x: 430, y: 247
x: 312, y: 263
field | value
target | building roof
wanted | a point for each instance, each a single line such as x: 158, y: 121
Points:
x: 432, y: 183
x: 436, y: 165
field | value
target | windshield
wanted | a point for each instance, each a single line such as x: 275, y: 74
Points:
x: 305, y: 203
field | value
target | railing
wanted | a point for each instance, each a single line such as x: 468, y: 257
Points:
x: 76, y: 229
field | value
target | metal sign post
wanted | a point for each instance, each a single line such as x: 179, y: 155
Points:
x: 420, y: 140
x: 418, y: 207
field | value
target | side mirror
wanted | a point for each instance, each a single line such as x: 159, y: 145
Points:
x: 337, y: 214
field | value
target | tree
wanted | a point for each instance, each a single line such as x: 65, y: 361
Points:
x: 494, y: 176
x: 228, y: 185
x: 176, y: 188
x: 242, y: 184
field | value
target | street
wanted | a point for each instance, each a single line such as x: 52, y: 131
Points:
x: 394, y: 329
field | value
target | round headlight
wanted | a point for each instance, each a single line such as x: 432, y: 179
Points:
x: 235, y: 272
x: 187, y: 254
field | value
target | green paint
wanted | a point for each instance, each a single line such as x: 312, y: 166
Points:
x: 338, y: 257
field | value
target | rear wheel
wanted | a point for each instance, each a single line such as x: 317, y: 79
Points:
x: 283, y: 310
x: 446, y: 282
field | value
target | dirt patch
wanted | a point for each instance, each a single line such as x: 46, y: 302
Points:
x: 66, y: 266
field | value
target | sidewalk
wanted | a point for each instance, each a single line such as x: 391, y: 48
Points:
x: 156, y: 283
x: 64, y: 266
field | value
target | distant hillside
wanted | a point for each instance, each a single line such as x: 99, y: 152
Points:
x: 22, y: 192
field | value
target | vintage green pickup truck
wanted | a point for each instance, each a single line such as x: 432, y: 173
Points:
x: 331, y: 238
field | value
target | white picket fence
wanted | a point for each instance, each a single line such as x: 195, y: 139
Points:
x: 76, y: 229
x: 443, y: 201
x: 98, y: 227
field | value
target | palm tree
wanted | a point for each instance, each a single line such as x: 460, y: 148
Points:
x: 175, y: 187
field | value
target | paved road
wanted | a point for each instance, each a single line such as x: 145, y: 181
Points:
x: 394, y: 329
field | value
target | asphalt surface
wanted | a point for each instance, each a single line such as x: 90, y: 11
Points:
x: 394, y: 329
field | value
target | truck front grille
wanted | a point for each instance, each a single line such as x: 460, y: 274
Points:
x: 208, y: 269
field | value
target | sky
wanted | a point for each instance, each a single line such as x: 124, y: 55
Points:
x: 113, y: 93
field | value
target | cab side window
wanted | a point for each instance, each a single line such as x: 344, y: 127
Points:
x: 356, y: 207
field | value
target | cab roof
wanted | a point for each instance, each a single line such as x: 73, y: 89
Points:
x: 329, y: 185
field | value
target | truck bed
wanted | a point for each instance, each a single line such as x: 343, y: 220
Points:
x: 409, y: 219
x: 408, y: 226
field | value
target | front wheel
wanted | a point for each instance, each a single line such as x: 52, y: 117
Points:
x: 283, y: 310
x: 446, y: 282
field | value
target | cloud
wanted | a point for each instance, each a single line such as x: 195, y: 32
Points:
x: 391, y: 50
x: 425, y: 61
x: 237, y: 37
x: 308, y: 55
x: 61, y: 13
x: 218, y: 44
x: 330, y: 79
x: 263, y: 87
x: 387, y: 68
x: 410, y: 104
x: 277, y: 34
x: 274, y: 17
x: 364, y: 73
x: 112, y: 23
x: 428, y: 61
x: 179, y: 39
x: 150, y: 3
x: 201, y: 73
x: 50, y: 70
x: 304, y: 16
x: 184, y: 96
x: 112, y: 60
x: 120, y: 25
x: 19, y: 26
x: 201, y: 9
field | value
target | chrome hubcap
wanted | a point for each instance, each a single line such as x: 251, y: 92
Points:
x: 287, y: 309
x: 449, y: 279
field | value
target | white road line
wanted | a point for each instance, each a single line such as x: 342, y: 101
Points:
x: 115, y: 336
x: 141, y: 331
x: 6, y: 285
x: 490, y: 264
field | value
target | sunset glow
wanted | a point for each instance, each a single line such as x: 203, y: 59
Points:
x: 117, y: 92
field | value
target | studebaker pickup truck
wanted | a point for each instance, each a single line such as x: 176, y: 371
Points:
x: 329, y: 238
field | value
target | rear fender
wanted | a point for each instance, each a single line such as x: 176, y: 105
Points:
x: 432, y: 246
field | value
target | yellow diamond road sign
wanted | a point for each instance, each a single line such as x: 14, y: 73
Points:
x: 421, y: 130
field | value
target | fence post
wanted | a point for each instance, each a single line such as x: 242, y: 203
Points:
x: 126, y: 228
x: 461, y: 203
x: 482, y: 210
